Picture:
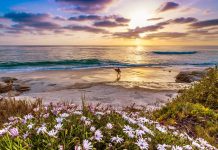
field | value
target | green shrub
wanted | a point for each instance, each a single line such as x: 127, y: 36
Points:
x: 195, y: 110
x: 205, y: 92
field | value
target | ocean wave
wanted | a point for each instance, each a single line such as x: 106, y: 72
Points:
x: 81, y: 62
x: 174, y: 52
x: 85, y: 63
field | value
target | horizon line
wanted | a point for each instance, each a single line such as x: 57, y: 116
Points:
x: 96, y: 45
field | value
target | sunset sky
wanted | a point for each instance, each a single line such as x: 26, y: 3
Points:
x: 108, y: 22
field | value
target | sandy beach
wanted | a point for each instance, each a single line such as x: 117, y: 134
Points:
x: 140, y: 85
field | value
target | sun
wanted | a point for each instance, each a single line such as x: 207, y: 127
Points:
x: 138, y: 18
x: 138, y: 42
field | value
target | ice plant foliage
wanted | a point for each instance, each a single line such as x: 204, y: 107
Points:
x: 65, y: 126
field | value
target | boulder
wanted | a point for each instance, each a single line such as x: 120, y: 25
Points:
x: 190, y: 76
x: 4, y: 87
x: 8, y: 79
x: 21, y: 87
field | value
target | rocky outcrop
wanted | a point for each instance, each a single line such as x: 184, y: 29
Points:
x: 5, y: 87
x: 8, y: 79
x: 12, y: 86
x: 190, y: 76
x: 21, y: 87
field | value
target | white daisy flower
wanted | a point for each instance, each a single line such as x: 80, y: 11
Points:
x: 53, y: 133
x: 161, y: 128
x: 139, y: 133
x: 117, y: 139
x: 127, y: 129
x: 25, y: 135
x: 83, y: 118
x: 92, y: 129
x: 78, y: 148
x: 177, y: 148
x: 142, y: 144
x: 58, y: 126
x: 162, y: 147
x: 196, y: 145
x: 64, y: 115
x: 109, y: 126
x: 143, y: 120
x: 42, y: 129
x: 99, y: 113
x: 14, y: 132
x: 59, y: 120
x: 187, y: 147
x: 87, y: 123
x: 28, y: 117
x: 144, y: 128
x: 3, y: 131
x: 87, y: 145
x: 77, y: 113
x: 30, y: 126
x: 98, y: 135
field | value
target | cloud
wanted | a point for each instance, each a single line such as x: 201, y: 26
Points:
x: 42, y: 21
x: 122, y: 20
x: 166, y: 35
x: 107, y: 23
x: 60, y: 18
x: 202, y: 31
x: 180, y: 20
x: 206, y: 23
x: 85, y: 18
x: 1, y: 26
x: 154, y: 19
x: 128, y: 34
x: 167, y: 6
x: 184, y: 20
x: 37, y: 23
x: 134, y: 33
x: 18, y: 29
x: 85, y: 28
x: 25, y: 17
x: 87, y: 5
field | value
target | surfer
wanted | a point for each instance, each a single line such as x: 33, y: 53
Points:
x: 118, y: 73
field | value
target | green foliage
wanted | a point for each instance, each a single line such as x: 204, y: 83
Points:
x: 195, y: 110
x: 76, y: 128
x: 205, y: 92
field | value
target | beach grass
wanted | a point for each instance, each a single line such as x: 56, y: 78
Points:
x: 189, y: 121
x: 12, y: 107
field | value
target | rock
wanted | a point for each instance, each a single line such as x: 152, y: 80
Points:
x: 21, y: 87
x: 4, y: 87
x: 8, y: 79
x: 190, y: 76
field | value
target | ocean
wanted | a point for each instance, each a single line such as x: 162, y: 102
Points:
x: 33, y: 58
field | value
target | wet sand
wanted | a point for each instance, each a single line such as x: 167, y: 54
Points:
x: 143, y: 86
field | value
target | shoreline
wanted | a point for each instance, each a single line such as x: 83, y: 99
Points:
x: 139, y: 85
